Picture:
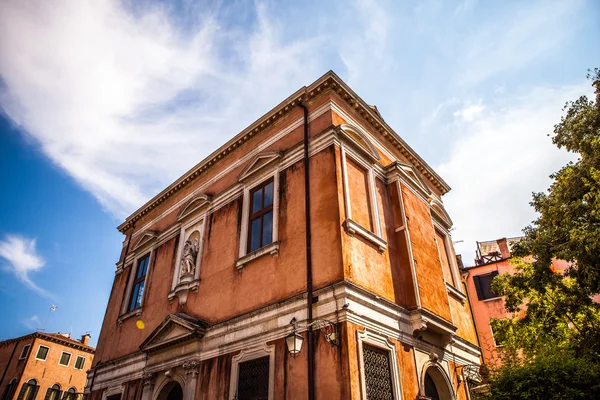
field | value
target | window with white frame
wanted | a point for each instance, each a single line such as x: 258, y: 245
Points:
x: 360, y: 189
x: 65, y: 359
x: 445, y: 256
x: 378, y: 365
x: 252, y: 374
x: 134, y: 293
x: 259, y: 233
x: 42, y: 353
x: 24, y: 351
x: 79, y: 362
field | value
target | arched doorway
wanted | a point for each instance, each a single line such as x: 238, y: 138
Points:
x: 171, y: 391
x: 436, y: 385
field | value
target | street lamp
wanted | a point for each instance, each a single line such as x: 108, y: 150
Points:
x: 294, y: 340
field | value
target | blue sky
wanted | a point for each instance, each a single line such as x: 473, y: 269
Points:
x: 105, y: 103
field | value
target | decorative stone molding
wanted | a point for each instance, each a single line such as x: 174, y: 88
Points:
x: 192, y: 368
x: 148, y: 380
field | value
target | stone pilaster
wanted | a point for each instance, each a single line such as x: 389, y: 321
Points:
x: 148, y: 385
x: 192, y: 370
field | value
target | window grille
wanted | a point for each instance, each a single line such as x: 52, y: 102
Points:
x: 253, y: 379
x: 378, y: 376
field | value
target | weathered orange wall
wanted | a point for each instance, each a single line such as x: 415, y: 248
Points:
x: 484, y: 311
x: 430, y: 277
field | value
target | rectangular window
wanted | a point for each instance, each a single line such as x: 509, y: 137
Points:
x: 65, y: 359
x: 42, y: 353
x: 445, y: 257
x: 483, y: 286
x: 360, y: 197
x: 24, y: 351
x: 378, y: 375
x: 79, y: 362
x: 253, y: 379
x: 260, y: 228
x: 137, y: 291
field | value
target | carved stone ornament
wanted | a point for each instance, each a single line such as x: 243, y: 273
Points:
x: 191, y: 368
x: 148, y: 379
x: 189, y: 257
x: 433, y: 357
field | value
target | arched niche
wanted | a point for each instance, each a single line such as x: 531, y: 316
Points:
x: 171, y: 390
x: 435, y: 383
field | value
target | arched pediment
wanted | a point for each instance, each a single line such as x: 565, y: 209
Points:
x: 410, y: 175
x: 360, y: 140
x: 258, y: 163
x: 438, y: 211
x: 196, y: 203
x: 146, y: 238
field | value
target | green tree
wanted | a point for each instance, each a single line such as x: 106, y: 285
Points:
x: 560, y: 311
x: 554, y: 375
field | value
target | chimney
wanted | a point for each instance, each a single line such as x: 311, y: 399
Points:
x: 85, y: 338
x: 503, y: 245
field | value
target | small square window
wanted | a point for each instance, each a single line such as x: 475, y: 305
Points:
x: 25, y: 351
x: 80, y: 362
x: 483, y: 286
x: 42, y: 353
x: 65, y: 359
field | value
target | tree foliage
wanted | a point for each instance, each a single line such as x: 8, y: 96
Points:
x: 551, y: 376
x: 560, y: 311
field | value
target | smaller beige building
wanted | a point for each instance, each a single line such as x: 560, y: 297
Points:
x: 44, y: 366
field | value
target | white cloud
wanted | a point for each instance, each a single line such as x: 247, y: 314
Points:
x: 126, y: 102
x: 32, y: 322
x: 502, y: 155
x: 22, y: 259
x: 469, y: 112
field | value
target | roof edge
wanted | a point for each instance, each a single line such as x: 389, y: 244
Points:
x: 274, y: 114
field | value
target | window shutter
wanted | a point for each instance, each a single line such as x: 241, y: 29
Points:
x: 494, y: 274
x: 48, y: 394
x: 478, y: 287
x: 22, y: 392
x: 34, y: 392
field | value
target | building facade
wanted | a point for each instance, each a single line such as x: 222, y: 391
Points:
x: 492, y: 259
x: 49, y: 366
x: 308, y: 257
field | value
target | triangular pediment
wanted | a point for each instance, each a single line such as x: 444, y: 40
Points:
x: 147, y: 238
x: 258, y: 163
x: 411, y: 176
x: 196, y: 203
x: 175, y: 329
x: 359, y: 139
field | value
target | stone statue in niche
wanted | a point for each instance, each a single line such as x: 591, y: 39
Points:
x: 189, y: 256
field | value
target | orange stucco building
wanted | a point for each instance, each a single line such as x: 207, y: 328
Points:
x: 49, y: 366
x: 492, y: 259
x: 344, y: 241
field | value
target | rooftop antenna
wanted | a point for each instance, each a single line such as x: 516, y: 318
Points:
x: 53, y: 307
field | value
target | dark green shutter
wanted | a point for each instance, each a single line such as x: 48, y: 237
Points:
x: 22, y: 392
x: 34, y: 392
x: 48, y: 394
x: 478, y: 287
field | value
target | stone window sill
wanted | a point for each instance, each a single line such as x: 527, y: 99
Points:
x: 272, y: 249
x: 493, y: 299
x: 352, y: 228
x: 460, y: 296
x: 133, y: 313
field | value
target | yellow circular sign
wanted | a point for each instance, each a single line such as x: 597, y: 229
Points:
x: 140, y: 324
